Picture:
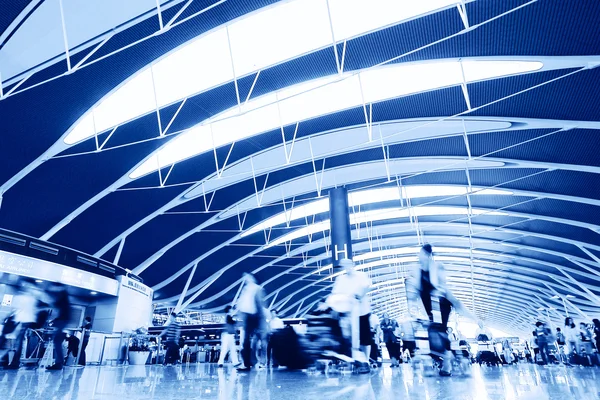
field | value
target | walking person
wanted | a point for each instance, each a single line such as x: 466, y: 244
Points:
x: 172, y: 332
x: 85, y: 328
x: 389, y: 327
x: 273, y: 347
x: 542, y: 341
x: 251, y: 308
x: 561, y: 343
x: 356, y: 285
x: 571, y: 337
x: 428, y: 282
x: 61, y: 305
x: 25, y: 305
x: 228, y: 340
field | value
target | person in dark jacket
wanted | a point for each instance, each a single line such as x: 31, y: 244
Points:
x: 172, y: 333
x: 61, y: 305
x: 388, y: 327
x: 86, y: 327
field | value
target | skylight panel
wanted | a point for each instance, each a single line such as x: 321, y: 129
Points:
x: 298, y: 212
x: 198, y: 66
x: 279, y: 33
x: 249, y: 44
x: 369, y: 196
x: 380, y: 215
x: 479, y: 70
x: 129, y: 101
x: 353, y: 17
x: 333, y: 94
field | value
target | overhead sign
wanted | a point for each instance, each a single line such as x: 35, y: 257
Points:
x: 48, y: 271
x: 136, y: 286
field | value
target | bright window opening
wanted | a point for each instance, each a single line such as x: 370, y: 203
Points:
x: 370, y: 196
x: 251, y: 43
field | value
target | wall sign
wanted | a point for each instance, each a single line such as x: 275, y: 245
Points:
x: 48, y: 271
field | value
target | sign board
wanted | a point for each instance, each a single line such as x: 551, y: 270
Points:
x: 7, y: 300
x: 134, y: 305
x: 48, y: 271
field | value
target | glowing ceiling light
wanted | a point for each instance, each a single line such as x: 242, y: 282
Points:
x: 369, y: 196
x: 325, y: 96
x: 254, y: 42
x: 379, y: 215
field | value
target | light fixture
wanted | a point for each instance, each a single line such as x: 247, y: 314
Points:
x: 246, y: 45
x: 39, y: 280
x: 93, y: 293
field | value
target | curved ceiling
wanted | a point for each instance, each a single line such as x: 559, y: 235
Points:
x: 197, y: 140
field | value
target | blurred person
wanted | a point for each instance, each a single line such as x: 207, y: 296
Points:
x: 376, y: 338
x: 228, y: 340
x: 25, y: 317
x: 172, y: 333
x: 389, y: 327
x: 542, y: 335
x: 561, y: 343
x: 273, y: 347
x: 61, y: 305
x: 483, y: 334
x: 72, y: 345
x: 586, y: 341
x: 507, y: 351
x: 251, y: 307
x: 428, y: 282
x: 356, y: 284
x: 597, y: 334
x: 85, y: 328
x: 571, y: 335
x: 527, y: 352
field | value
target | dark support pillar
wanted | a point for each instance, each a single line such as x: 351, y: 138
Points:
x: 341, y: 239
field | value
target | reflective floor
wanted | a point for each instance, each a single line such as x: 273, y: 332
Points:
x: 204, y: 381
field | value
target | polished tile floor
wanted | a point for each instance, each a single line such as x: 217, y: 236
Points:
x: 205, y: 381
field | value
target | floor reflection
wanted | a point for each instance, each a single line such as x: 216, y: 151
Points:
x: 203, y: 381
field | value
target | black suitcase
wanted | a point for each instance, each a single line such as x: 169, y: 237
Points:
x: 438, y: 339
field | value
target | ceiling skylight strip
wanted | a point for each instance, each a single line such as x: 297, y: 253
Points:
x: 381, y: 215
x: 249, y: 44
x: 325, y: 96
x: 368, y: 197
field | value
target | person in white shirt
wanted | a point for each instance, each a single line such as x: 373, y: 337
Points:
x: 483, y: 334
x: 250, y: 306
x: 356, y: 284
x: 571, y: 335
x: 275, y: 325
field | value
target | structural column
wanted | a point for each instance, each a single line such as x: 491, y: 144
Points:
x: 341, y: 239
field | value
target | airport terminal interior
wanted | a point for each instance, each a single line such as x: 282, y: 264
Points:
x: 299, y: 199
